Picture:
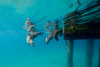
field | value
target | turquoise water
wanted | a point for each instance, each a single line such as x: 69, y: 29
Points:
x: 16, y: 52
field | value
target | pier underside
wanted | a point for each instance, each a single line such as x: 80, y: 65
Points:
x: 84, y: 24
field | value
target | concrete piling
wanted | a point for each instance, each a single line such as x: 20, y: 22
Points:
x: 70, y: 53
x: 99, y: 54
x: 89, y: 52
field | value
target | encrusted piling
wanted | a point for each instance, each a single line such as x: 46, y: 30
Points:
x: 89, y: 52
x: 70, y: 52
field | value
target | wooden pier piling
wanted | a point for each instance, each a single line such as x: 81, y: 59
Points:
x: 89, y: 52
x: 70, y: 53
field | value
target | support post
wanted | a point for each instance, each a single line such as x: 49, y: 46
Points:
x: 70, y: 52
x: 89, y: 52
x: 99, y: 54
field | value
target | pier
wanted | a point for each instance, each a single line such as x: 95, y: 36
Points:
x: 76, y: 27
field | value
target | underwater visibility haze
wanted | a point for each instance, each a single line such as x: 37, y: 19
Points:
x: 14, y: 49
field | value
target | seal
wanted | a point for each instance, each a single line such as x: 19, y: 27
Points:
x: 56, y: 33
x: 32, y: 36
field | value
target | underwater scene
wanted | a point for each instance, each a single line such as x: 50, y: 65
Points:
x: 49, y: 33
